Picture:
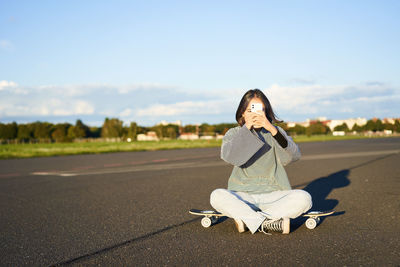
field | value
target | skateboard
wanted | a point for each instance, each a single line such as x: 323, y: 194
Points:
x: 314, y: 217
x: 211, y: 217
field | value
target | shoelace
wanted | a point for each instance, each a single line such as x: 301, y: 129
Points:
x: 275, y: 225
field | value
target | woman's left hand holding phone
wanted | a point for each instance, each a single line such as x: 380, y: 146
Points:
x: 258, y: 120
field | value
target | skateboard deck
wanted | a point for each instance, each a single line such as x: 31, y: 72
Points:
x: 211, y: 217
x: 206, y: 212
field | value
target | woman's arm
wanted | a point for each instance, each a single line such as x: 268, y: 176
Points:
x: 289, y: 153
x: 287, y: 150
x: 239, y: 145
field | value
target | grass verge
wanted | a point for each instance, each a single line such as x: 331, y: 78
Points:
x: 58, y: 149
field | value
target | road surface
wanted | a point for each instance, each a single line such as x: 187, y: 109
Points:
x: 131, y: 208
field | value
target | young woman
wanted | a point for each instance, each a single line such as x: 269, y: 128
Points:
x: 259, y: 195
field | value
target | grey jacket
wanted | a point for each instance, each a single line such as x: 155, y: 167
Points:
x: 258, y: 160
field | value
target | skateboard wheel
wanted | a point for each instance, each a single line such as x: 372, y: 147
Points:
x: 206, y: 222
x: 311, y: 223
x: 214, y: 220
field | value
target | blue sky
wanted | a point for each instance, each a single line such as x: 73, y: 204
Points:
x: 148, y: 61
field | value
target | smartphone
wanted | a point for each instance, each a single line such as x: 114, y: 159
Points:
x: 256, y: 107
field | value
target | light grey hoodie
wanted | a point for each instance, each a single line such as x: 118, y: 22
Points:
x: 258, y: 159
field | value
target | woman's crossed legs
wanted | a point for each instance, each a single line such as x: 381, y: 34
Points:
x: 253, y: 209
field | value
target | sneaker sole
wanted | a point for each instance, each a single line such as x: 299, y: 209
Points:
x: 286, y: 226
x: 240, y: 226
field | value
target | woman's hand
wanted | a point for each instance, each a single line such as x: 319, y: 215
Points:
x: 258, y: 120
x: 249, y: 119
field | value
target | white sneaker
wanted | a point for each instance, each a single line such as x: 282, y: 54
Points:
x: 280, y: 225
x: 240, y: 226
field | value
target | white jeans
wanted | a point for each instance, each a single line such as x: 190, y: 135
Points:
x: 253, y: 209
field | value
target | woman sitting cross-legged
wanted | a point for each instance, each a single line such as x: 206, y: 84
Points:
x: 259, y: 195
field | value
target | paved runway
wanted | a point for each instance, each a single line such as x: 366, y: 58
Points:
x: 132, y: 209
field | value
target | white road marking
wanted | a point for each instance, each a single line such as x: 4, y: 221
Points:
x: 136, y: 169
x: 350, y: 154
x: 219, y: 162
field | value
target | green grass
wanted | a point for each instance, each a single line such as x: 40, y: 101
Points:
x: 58, y: 149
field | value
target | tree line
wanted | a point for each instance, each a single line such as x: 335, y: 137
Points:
x: 318, y: 128
x: 114, y: 128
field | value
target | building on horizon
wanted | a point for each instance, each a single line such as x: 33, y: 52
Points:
x: 149, y: 136
x: 332, y: 123
x: 188, y: 136
x: 349, y: 122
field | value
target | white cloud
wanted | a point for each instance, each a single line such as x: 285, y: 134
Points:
x: 187, y: 108
x: 18, y: 101
x: 50, y: 107
x: 126, y: 112
x: 331, y: 101
x: 287, y: 98
x: 83, y: 107
x: 7, y: 85
x: 71, y: 90
x: 70, y: 107
x: 148, y: 103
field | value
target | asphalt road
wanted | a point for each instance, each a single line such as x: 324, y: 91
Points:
x: 132, y: 209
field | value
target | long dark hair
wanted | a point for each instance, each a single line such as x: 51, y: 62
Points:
x: 248, y: 96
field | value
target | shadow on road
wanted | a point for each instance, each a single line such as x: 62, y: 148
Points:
x: 122, y: 244
x: 319, y: 189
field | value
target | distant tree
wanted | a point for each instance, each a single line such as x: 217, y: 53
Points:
x: 71, y: 132
x: 370, y: 126
x: 42, y: 130
x: 112, y: 128
x: 397, y: 126
x: 222, y: 128
x: 172, y: 131
x: 142, y: 130
x: 158, y: 130
x: 379, y: 125
x: 25, y: 132
x: 94, y: 132
x: 374, y: 125
x: 342, y: 127
x: 190, y: 129
x: 317, y: 128
x: 358, y: 128
x: 388, y: 126
x: 166, y: 131
x: 132, y: 131
x: 81, y: 130
x: 206, y: 129
x: 283, y: 125
x: 60, y: 132
x: 297, y: 129
x: 8, y: 131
